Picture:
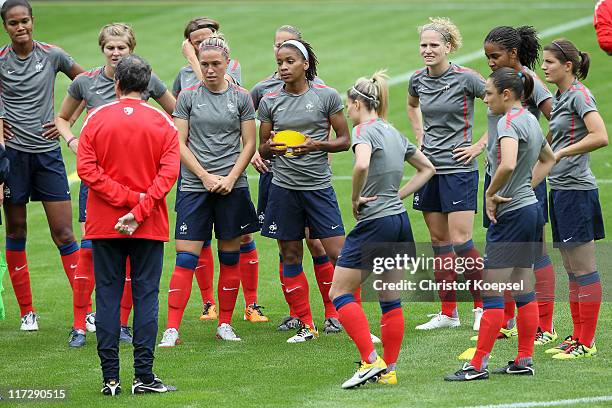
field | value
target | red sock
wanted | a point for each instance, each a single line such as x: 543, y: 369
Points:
x: 589, y: 294
x: 17, y: 264
x: 126, y: 299
x: 285, y: 294
x: 296, y: 289
x: 509, y: 307
x: 356, y: 325
x: 324, y: 272
x: 357, y: 295
x: 392, y: 333
x: 70, y: 260
x: 229, y: 283
x: 527, y: 326
x: 444, y: 272
x: 178, y: 295
x: 574, y: 306
x: 204, y: 273
x: 545, y: 293
x: 84, y: 282
x: 473, y: 271
x: 492, y: 321
x: 249, y: 272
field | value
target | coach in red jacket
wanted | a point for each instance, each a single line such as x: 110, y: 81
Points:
x: 129, y: 157
x: 602, y: 20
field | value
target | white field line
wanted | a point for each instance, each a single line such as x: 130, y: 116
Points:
x: 557, y: 403
x: 549, y: 32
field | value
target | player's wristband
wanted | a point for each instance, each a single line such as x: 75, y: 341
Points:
x: 72, y: 139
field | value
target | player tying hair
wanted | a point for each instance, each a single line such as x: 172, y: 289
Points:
x: 323, y: 268
x: 90, y: 90
x: 576, y: 129
x: 519, y: 48
x: 380, y: 153
x: 301, y: 193
x: 523, y: 161
x: 215, y: 116
x: 37, y: 170
x: 443, y: 94
x: 196, y: 31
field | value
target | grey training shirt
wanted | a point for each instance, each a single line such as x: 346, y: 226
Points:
x: 27, y: 92
x: 214, y: 138
x: 270, y: 84
x: 447, y: 105
x: 390, y: 149
x: 308, y: 113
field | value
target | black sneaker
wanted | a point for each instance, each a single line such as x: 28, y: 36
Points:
x: 289, y: 323
x: 76, y: 339
x: 332, y: 325
x: 515, y: 369
x: 111, y: 387
x: 468, y: 373
x: 156, y: 386
x: 125, y: 334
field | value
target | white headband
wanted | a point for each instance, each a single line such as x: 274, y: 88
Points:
x: 299, y: 46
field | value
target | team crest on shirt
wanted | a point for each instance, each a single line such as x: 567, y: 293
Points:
x: 128, y: 110
x: 231, y: 107
x: 39, y: 66
x: 309, y: 107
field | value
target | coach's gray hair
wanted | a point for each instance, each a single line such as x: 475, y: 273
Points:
x: 133, y: 74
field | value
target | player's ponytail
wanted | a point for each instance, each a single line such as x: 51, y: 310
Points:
x: 524, y: 39
x: 519, y: 83
x: 373, y: 92
x: 585, y: 63
x: 564, y: 50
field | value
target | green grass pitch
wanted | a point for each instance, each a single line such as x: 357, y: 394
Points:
x: 352, y: 39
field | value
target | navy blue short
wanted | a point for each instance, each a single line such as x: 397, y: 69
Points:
x: 514, y: 242
x: 83, y: 192
x: 448, y: 193
x: 575, y: 217
x: 289, y: 212
x: 36, y: 177
x: 231, y: 216
x: 540, y: 192
x: 389, y: 229
x: 265, y: 180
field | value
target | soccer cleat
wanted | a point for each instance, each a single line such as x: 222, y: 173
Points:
x: 389, y: 378
x: 375, y: 339
x: 209, y: 312
x: 507, y: 333
x: 515, y: 369
x: 365, y: 372
x: 545, y: 337
x: 170, y: 338
x: 468, y: 373
x: 562, y: 348
x: 29, y: 322
x: 576, y: 351
x: 226, y: 332
x: 478, y: 312
x: 305, y: 333
x: 254, y: 314
x: 125, y: 334
x: 76, y: 339
x: 289, y: 323
x: 90, y: 322
x: 439, y: 321
x: 156, y: 386
x: 332, y: 325
x: 111, y: 387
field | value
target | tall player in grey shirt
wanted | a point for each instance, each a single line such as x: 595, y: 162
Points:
x: 576, y: 129
x: 90, y: 90
x: 27, y: 76
x: 380, y: 154
x: 443, y: 95
x: 301, y: 194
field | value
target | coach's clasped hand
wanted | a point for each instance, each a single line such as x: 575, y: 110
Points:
x: 127, y: 224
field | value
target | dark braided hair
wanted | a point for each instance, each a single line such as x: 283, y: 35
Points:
x: 311, y: 72
x: 524, y: 39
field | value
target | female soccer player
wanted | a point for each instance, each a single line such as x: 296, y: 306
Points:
x: 215, y: 116
x: 519, y: 48
x: 90, y: 90
x: 37, y: 170
x: 576, y: 129
x: 323, y: 268
x: 443, y: 94
x: 516, y: 220
x: 380, y: 153
x: 301, y: 193
x: 196, y: 31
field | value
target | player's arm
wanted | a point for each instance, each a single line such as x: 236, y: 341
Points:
x: 546, y: 161
x: 424, y: 171
x: 167, y: 102
x: 341, y: 143
x: 595, y: 139
x: 363, y: 154
x: 188, y: 158
x: 65, y: 119
x: 509, y: 154
x: 415, y: 118
x: 192, y: 59
x: 268, y: 148
x: 469, y: 153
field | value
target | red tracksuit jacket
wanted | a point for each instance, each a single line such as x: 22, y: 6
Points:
x: 126, y: 148
x: 602, y: 20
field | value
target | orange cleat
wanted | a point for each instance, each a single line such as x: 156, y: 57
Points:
x: 254, y: 314
x: 209, y: 312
